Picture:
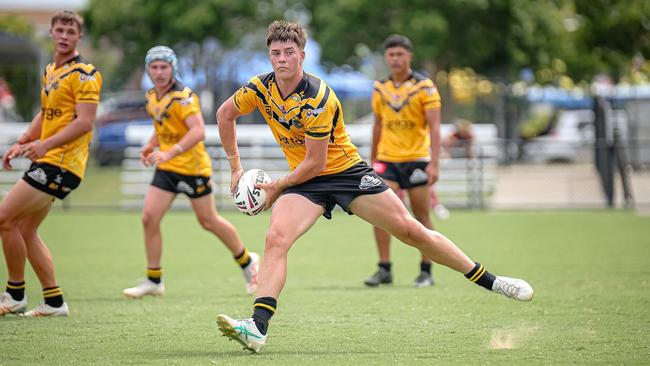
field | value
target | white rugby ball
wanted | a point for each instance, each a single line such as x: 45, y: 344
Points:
x: 248, y: 199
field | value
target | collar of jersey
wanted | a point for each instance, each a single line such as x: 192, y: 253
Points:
x: 302, y: 86
x: 409, y: 77
x: 71, y: 61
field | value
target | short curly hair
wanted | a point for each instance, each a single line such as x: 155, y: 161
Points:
x: 283, y: 31
x: 68, y: 17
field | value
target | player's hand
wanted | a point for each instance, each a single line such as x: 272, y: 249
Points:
x: 144, y: 154
x: 160, y: 157
x: 12, y: 152
x: 433, y: 172
x: 235, y: 176
x: 273, y: 190
x: 33, y: 150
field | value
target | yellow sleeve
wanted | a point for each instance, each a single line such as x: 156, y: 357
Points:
x: 318, y: 122
x: 245, y: 98
x: 430, y: 96
x: 87, y: 86
x: 189, y: 106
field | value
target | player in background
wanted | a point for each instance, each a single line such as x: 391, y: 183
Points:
x: 182, y: 166
x: 405, y: 148
x: 306, y: 119
x: 56, y: 142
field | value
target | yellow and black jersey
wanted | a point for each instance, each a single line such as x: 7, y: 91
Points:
x: 405, y: 131
x: 312, y: 111
x: 75, y: 81
x: 168, y: 115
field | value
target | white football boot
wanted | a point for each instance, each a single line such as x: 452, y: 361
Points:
x: 44, y: 310
x: 144, y: 288
x: 250, y: 273
x: 10, y: 306
x: 244, y: 331
x: 513, y: 288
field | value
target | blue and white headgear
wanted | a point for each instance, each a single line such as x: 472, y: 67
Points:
x: 163, y: 53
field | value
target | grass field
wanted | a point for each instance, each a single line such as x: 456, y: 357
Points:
x: 589, y: 269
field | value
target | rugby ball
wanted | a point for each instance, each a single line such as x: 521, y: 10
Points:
x: 248, y: 199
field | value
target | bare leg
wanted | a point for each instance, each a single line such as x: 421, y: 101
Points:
x: 211, y: 221
x: 381, y: 236
x: 419, y: 198
x: 22, y: 201
x: 37, y: 252
x: 301, y: 213
x: 156, y: 203
x: 387, y: 211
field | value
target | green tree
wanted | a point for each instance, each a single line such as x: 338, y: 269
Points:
x: 608, y: 34
x: 491, y: 36
x: 19, y: 63
x: 494, y: 37
x: 133, y: 26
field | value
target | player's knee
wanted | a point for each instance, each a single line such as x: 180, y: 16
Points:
x: 413, y: 233
x: 276, y: 241
x: 422, y: 217
x: 207, y: 223
x: 149, y: 220
x: 7, y: 222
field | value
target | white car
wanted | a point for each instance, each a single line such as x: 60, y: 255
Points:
x: 572, y: 137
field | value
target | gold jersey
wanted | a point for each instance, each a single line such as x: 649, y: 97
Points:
x: 168, y: 115
x: 405, y: 131
x: 75, y: 81
x: 312, y: 111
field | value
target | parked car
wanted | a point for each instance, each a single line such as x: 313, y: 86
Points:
x: 110, y: 141
x: 114, y: 114
x: 569, y: 137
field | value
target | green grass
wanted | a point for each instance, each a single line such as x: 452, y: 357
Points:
x: 589, y: 269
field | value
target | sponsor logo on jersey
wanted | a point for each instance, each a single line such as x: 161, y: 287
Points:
x: 51, y: 113
x: 315, y: 112
x: 431, y: 91
x: 84, y: 78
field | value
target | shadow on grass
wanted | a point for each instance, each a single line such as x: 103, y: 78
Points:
x: 356, y: 288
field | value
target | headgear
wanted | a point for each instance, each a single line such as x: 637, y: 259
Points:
x: 163, y: 53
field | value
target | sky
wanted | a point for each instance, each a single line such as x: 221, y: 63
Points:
x: 13, y: 5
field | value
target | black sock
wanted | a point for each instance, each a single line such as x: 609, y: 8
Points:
x: 385, y: 265
x: 53, y: 296
x: 16, y: 290
x: 154, y: 274
x: 243, y: 259
x: 263, y: 310
x: 425, y: 267
x: 481, y: 276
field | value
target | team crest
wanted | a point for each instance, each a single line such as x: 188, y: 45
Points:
x: 38, y: 175
x: 418, y: 176
x: 368, y: 181
x: 184, y: 187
